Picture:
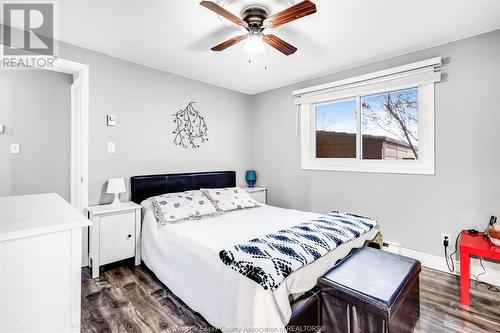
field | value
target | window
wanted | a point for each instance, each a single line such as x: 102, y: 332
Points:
x: 336, y: 130
x: 389, y: 125
x: 379, y: 124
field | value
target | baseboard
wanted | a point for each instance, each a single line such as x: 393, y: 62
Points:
x: 491, y: 276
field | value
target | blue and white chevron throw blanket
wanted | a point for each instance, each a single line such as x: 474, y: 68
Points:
x: 270, y: 259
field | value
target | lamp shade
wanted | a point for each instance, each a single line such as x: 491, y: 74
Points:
x: 251, y: 178
x: 116, y: 185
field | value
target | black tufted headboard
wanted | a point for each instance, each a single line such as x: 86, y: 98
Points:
x: 143, y: 187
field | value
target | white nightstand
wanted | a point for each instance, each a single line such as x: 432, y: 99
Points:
x: 257, y: 193
x: 114, y: 234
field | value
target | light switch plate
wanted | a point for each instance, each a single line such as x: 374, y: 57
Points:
x: 111, y: 120
x: 111, y: 147
x: 15, y: 148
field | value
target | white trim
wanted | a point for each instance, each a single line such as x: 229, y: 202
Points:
x: 79, y: 137
x: 297, y: 120
x: 75, y: 142
x: 491, y: 276
x: 429, y: 63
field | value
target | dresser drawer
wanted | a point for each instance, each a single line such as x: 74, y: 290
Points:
x: 117, y: 237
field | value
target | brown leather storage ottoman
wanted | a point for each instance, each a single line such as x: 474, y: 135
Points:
x: 306, y: 312
x: 371, y: 291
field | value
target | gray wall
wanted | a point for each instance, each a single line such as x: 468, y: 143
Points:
x: 413, y: 210
x: 259, y: 131
x: 144, y: 99
x: 35, y: 109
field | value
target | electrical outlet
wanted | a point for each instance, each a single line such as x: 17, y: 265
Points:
x: 445, y: 237
x: 391, y: 247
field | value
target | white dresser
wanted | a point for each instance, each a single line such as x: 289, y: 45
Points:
x: 40, y: 264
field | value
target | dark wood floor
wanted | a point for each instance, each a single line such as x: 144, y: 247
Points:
x: 130, y: 299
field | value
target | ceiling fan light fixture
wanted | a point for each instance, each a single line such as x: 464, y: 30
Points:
x: 254, y: 43
x: 255, y: 20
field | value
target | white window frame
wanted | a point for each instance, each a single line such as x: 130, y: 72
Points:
x: 422, y: 78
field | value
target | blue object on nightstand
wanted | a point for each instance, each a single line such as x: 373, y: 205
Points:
x: 251, y: 178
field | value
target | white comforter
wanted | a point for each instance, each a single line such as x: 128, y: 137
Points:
x: 185, y: 257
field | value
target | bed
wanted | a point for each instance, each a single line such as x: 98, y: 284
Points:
x: 185, y: 256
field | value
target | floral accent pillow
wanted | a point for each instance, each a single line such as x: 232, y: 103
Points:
x: 232, y: 198
x: 170, y: 208
x: 175, y: 207
x: 199, y: 204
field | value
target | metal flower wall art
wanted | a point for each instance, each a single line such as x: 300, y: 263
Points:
x: 190, y: 128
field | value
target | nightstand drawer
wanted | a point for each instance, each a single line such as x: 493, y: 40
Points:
x: 117, y: 237
x: 259, y: 196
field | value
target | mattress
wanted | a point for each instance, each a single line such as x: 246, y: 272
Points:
x: 185, y: 257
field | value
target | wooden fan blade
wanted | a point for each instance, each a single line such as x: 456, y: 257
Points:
x: 279, y: 44
x: 293, y: 13
x: 228, y: 43
x: 224, y: 13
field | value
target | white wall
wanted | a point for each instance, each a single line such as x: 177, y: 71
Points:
x: 413, y: 210
x: 36, y: 112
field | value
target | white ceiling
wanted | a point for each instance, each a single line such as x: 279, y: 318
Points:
x: 176, y: 35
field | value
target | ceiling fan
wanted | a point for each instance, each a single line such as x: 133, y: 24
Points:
x: 255, y: 19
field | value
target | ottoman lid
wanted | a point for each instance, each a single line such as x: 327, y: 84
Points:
x: 370, y: 278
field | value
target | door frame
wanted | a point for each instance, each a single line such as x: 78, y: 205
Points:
x: 79, y: 129
x: 79, y: 137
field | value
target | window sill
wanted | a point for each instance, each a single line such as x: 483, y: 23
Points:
x: 392, y: 167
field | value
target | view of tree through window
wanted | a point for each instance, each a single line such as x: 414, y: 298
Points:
x: 389, y: 125
x: 336, y: 130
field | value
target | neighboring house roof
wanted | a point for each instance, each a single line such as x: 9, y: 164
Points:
x: 372, y: 137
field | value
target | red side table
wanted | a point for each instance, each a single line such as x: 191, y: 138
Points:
x: 475, y: 245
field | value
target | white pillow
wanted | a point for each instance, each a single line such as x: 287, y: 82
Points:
x: 175, y: 207
x: 227, y: 199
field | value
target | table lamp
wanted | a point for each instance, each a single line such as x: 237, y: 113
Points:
x: 116, y: 186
